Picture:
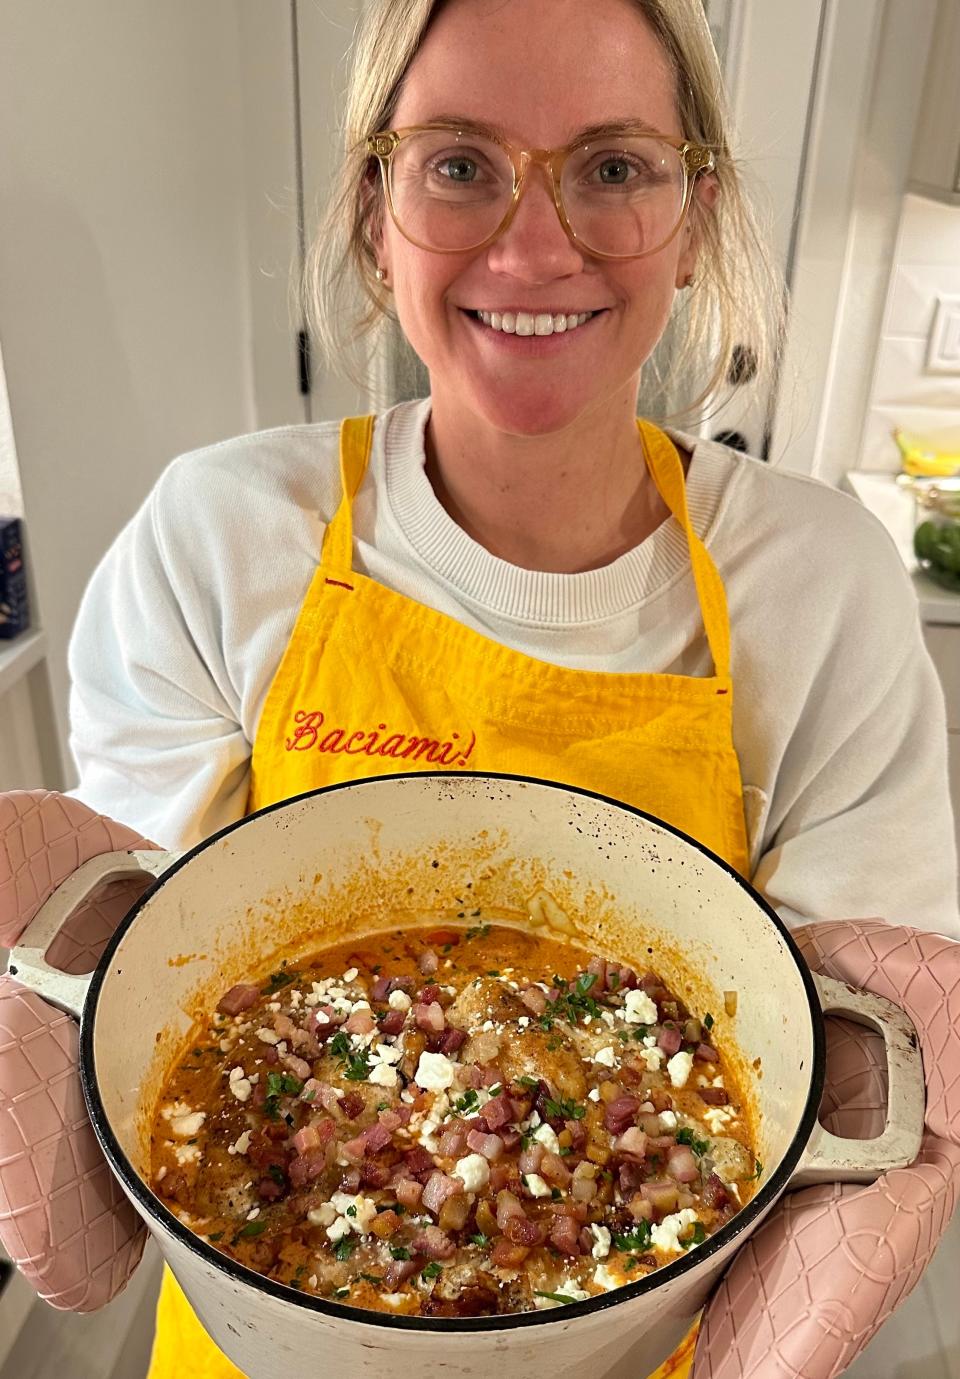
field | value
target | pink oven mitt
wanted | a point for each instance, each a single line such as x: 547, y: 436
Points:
x: 63, y: 1218
x: 813, y: 1285
x: 804, y: 1295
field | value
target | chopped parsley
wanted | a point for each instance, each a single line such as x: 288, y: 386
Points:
x: 340, y: 1044
x: 341, y: 1292
x: 494, y: 972
x: 532, y: 1082
x: 280, y: 1084
x: 698, y: 1237
x: 636, y: 1239
x: 641, y: 1032
x: 564, y: 1110
x: 433, y: 1270
x: 217, y: 1235
x: 554, y: 1297
x: 399, y: 1251
x: 358, y: 1067
x: 371, y: 1278
x: 249, y: 1229
x: 482, y: 1240
x: 687, y: 1136
x: 756, y: 1173
x: 572, y: 1003
x: 468, y: 1102
x: 278, y: 1175
x: 478, y: 931
x: 351, y: 1211
x: 708, y: 1021
x: 278, y: 980
x: 344, y: 1248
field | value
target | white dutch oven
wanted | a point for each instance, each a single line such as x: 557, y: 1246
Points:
x: 344, y: 862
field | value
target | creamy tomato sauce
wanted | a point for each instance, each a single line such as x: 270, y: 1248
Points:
x: 453, y: 1122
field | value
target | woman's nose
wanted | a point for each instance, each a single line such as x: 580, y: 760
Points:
x: 535, y: 246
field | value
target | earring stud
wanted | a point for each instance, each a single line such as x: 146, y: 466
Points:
x: 381, y: 275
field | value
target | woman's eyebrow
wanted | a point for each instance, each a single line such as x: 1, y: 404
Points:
x: 604, y: 128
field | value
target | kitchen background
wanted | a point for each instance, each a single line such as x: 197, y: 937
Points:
x: 160, y: 170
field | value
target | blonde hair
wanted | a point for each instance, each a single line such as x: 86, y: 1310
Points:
x: 735, y: 308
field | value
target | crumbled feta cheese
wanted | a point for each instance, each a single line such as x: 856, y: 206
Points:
x: 273, y: 1005
x: 243, y: 1143
x: 324, y: 1215
x: 653, y: 1058
x: 268, y: 1036
x: 473, y: 1171
x: 605, y: 1279
x: 665, y: 1235
x: 488, y: 1025
x: 339, y: 1229
x: 253, y: 1213
x: 523, y: 1021
x: 365, y: 1208
x: 241, y: 1088
x: 186, y: 1153
x: 569, y: 1290
x: 161, y: 1173
x: 185, y: 1127
x: 351, y: 974
x: 382, y: 1075
x: 639, y: 1009
x: 547, y: 1136
x: 399, y: 1000
x: 226, y: 1045
x: 601, y: 1242
x: 649, y: 1041
x: 536, y: 1185
x: 178, y: 1108
x: 407, y: 1097
x: 394, y: 1299
x: 607, y: 1056
x: 719, y: 1116
x: 680, y: 1067
x: 608, y: 1018
x: 593, y: 1094
x: 588, y: 1019
x: 434, y: 1072
x: 668, y: 1120
x: 295, y: 999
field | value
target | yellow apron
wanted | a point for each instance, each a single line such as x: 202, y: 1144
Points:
x: 373, y: 683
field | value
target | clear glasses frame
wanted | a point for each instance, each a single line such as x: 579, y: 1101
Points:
x: 695, y: 160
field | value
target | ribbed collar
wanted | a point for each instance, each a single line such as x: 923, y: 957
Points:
x: 541, y: 598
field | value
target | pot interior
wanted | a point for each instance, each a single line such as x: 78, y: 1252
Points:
x: 362, y: 857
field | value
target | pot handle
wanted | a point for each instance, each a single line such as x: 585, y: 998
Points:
x: 28, y: 964
x: 831, y: 1159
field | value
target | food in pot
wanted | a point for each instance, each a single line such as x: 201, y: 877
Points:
x: 454, y: 1122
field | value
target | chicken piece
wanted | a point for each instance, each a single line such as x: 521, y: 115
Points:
x: 733, y: 1163
x: 486, y: 998
x: 534, y: 1052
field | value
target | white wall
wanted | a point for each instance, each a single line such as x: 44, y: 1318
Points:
x: 123, y: 302
x: 904, y: 393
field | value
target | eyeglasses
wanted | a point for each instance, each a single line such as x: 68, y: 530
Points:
x: 619, y: 196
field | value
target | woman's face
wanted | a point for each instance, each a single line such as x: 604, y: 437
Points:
x: 539, y: 71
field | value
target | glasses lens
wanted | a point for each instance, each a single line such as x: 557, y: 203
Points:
x: 449, y: 190
x: 624, y: 195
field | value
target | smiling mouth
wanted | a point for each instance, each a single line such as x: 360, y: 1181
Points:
x: 533, y: 323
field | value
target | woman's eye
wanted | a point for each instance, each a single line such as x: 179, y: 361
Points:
x: 458, y: 169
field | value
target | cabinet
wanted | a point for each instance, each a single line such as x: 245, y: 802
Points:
x: 935, y: 169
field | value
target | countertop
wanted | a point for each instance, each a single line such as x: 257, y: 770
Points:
x: 881, y: 494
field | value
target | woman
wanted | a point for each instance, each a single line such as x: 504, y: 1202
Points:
x: 512, y: 575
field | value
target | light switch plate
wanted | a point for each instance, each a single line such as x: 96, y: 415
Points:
x: 943, y: 351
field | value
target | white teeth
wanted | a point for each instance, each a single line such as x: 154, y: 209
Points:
x: 526, y: 323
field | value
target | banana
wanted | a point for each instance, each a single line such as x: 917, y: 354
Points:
x: 920, y: 458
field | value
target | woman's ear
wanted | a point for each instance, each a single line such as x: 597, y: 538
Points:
x: 705, y: 196
x: 371, y: 202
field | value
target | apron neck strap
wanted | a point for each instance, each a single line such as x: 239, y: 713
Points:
x: 663, y: 462
x: 356, y: 439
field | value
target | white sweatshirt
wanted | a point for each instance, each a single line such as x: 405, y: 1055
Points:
x: 838, y: 715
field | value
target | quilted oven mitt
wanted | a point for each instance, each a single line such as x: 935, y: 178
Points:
x: 802, y: 1298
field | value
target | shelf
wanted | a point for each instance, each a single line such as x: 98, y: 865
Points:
x: 19, y: 656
